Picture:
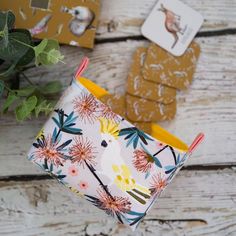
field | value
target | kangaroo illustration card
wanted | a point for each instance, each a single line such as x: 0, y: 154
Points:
x: 172, y: 25
x: 138, y: 86
x: 177, y: 72
x: 71, y: 22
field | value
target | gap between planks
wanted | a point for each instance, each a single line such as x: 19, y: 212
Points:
x: 211, y: 33
x: 39, y: 177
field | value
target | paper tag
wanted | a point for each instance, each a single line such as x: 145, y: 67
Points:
x: 172, y: 25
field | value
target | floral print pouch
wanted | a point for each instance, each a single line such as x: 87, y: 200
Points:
x: 104, y: 158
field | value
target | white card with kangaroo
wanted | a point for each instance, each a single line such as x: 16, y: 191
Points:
x: 172, y: 25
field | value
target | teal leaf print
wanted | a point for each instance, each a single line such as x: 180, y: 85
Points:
x: 171, y: 169
x: 49, y: 169
x: 134, y: 136
x: 136, y: 217
x: 56, y: 136
x: 66, y: 124
x: 61, y: 147
x: 31, y: 157
x: 147, y: 174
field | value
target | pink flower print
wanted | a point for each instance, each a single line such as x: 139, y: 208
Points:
x: 73, y: 171
x: 83, y: 185
x: 82, y: 152
x: 158, y: 184
x: 142, y: 161
x: 50, y: 150
x: 160, y: 145
x: 86, y: 107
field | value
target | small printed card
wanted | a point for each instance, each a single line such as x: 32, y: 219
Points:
x: 72, y: 22
x: 172, y: 25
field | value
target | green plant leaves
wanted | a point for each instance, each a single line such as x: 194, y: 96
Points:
x: 51, y: 87
x: 25, y: 92
x: 1, y: 88
x: 29, y: 55
x: 31, y: 100
x: 43, y: 107
x: 47, y: 52
x: 40, y: 48
x: 54, y: 56
x: 11, y: 98
x: 15, y: 49
x: 5, y: 36
x: 6, y: 19
x: 25, y: 108
x: 27, y: 58
x: 27, y: 105
x: 7, y: 71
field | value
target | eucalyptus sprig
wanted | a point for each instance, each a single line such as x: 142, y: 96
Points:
x: 17, y: 50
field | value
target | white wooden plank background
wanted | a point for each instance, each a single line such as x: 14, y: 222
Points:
x: 209, y: 105
x: 202, y: 199
x: 197, y: 203
x: 124, y: 17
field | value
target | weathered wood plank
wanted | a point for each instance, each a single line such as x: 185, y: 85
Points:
x: 197, y: 203
x: 209, y: 106
x: 124, y: 18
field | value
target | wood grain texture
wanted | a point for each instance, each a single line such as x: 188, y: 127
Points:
x: 201, y: 200
x: 126, y: 17
x: 187, y: 207
x: 208, y: 106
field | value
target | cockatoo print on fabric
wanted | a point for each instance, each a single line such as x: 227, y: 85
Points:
x: 113, y: 165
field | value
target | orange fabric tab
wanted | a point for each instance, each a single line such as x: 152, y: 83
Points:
x: 82, y: 67
x: 196, y: 142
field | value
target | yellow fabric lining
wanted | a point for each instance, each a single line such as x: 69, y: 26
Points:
x: 96, y: 90
x: 168, y: 138
x: 157, y: 131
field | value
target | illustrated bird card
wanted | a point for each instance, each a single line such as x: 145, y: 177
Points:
x: 71, y: 22
x: 172, y: 25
